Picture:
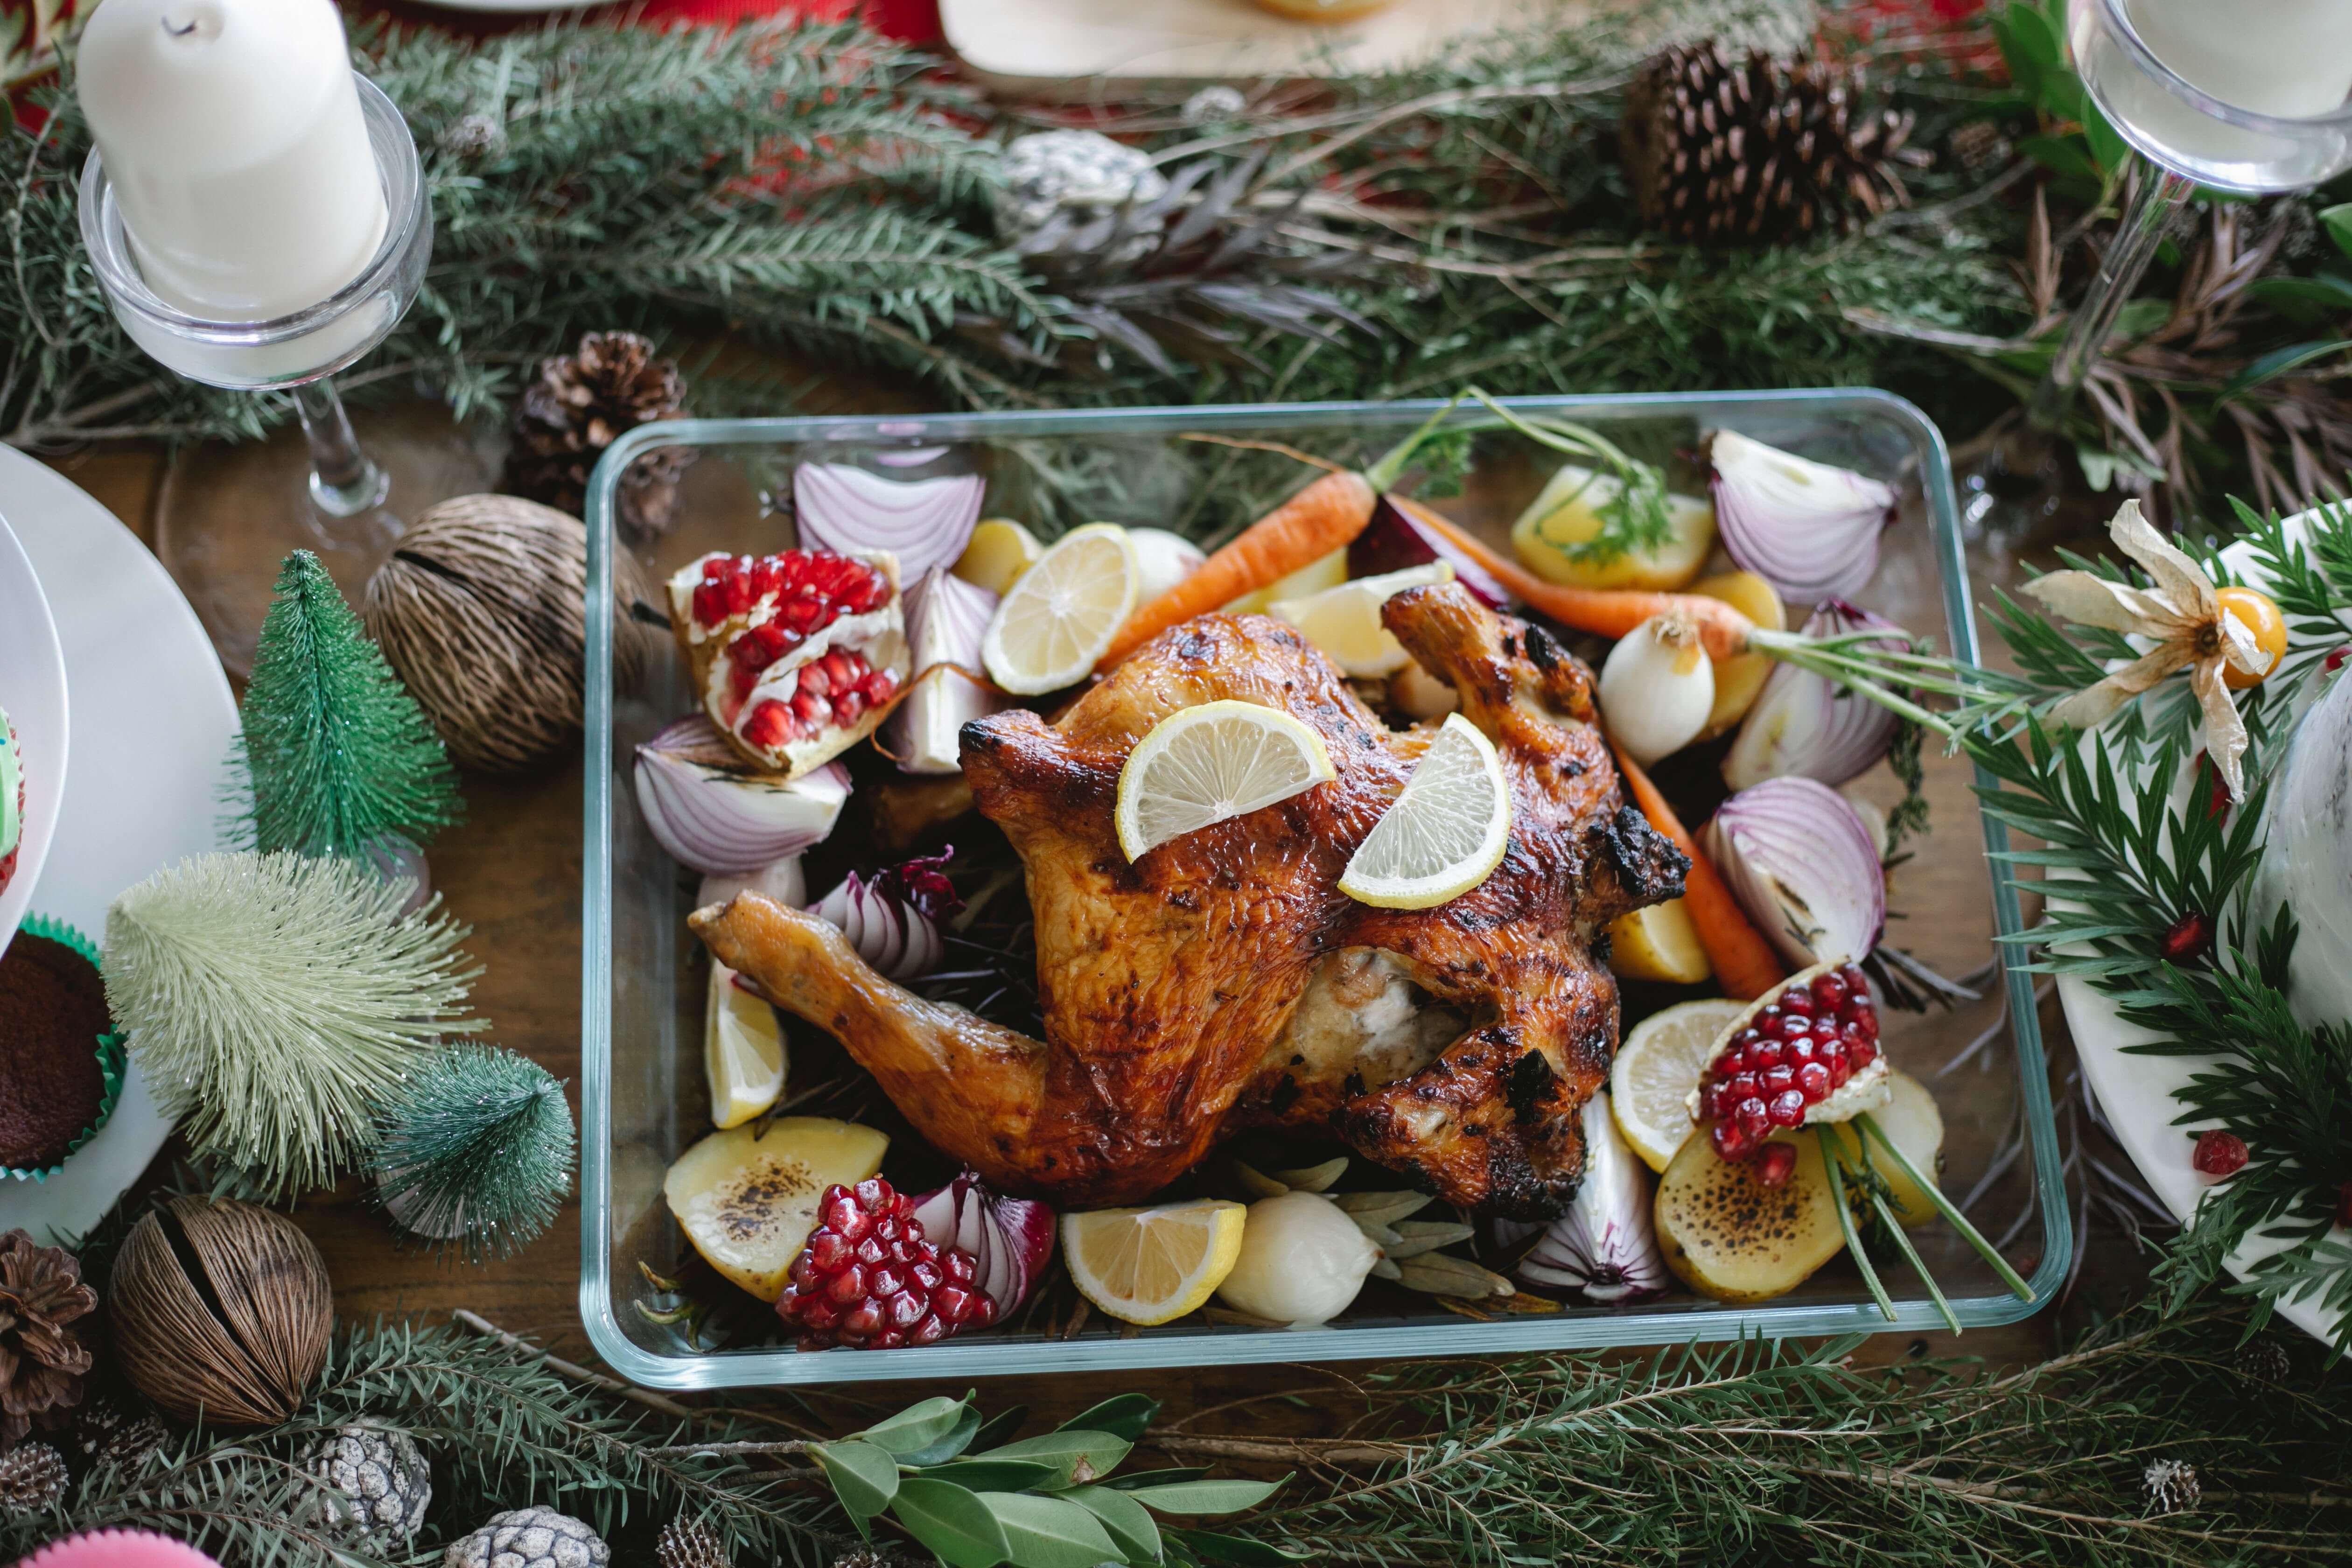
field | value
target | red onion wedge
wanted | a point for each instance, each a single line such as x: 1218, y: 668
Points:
x: 1396, y: 539
x: 1603, y: 1247
x: 893, y: 920
x: 1808, y: 529
x: 1011, y: 1239
x: 947, y: 619
x: 1800, y: 862
x: 1807, y: 725
x: 925, y: 522
x: 716, y: 814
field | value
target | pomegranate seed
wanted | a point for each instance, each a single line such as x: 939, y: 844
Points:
x: 828, y: 1250
x: 819, y: 1314
x: 887, y: 1281
x: 1767, y: 1055
x: 1735, y: 1060
x: 906, y: 1250
x: 959, y: 1267
x: 849, y: 708
x: 2219, y: 1153
x: 1768, y: 1019
x: 930, y: 1331
x: 1841, y: 1067
x: 1799, y: 1052
x: 952, y: 1302
x: 1774, y: 1162
x: 865, y: 1318
x: 771, y: 726
x: 1794, y: 1027
x: 880, y: 687
x: 1753, y: 1119
x: 1829, y: 994
x: 813, y: 677
x: 1743, y: 1085
x: 1798, y: 1000
x: 766, y: 577
x: 1778, y: 1079
x: 2187, y: 938
x: 1813, y: 1081
x: 837, y: 1207
x: 929, y: 1274
x: 802, y: 1273
x: 1729, y: 1142
x: 847, y: 1286
x: 716, y: 567
x: 810, y: 709
x: 887, y: 1339
x: 709, y: 605
x: 873, y: 1252
x: 986, y: 1315
x: 737, y: 590
x: 1787, y: 1109
x: 1860, y: 1053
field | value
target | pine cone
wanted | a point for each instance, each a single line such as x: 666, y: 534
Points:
x: 42, y: 1361
x: 32, y: 1479
x: 1759, y: 152
x: 529, y: 1538
x: 2170, y: 1485
x: 691, y: 1543
x: 107, y: 1437
x: 373, y: 1484
x: 2265, y: 1360
x: 578, y: 405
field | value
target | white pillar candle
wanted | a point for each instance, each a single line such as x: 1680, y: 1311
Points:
x: 232, y: 140
x: 2292, y: 58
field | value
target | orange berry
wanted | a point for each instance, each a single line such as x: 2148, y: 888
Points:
x: 2258, y: 614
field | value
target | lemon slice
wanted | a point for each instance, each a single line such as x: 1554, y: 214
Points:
x: 1057, y: 617
x: 742, y: 1051
x: 1657, y: 1067
x: 1000, y: 551
x: 1147, y: 1266
x: 1345, y: 621
x: 1201, y: 766
x: 1445, y: 833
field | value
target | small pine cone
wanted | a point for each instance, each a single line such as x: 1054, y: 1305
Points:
x: 42, y: 1360
x: 474, y: 137
x: 865, y: 1559
x: 106, y: 1436
x: 1760, y: 152
x: 691, y: 1543
x: 1980, y: 148
x: 579, y: 404
x: 2265, y: 1360
x: 2170, y: 1485
x: 32, y: 1479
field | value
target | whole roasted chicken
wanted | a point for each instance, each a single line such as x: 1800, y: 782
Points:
x: 1223, y: 982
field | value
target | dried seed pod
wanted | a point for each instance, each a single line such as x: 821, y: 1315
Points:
x: 221, y: 1311
x: 480, y: 608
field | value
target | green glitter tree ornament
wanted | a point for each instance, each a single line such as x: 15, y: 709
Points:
x: 476, y: 1150
x: 275, y: 1002
x: 336, y: 755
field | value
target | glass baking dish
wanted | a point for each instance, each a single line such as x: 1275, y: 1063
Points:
x: 643, y: 1098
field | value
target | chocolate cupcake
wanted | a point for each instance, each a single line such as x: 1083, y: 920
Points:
x: 60, y: 1061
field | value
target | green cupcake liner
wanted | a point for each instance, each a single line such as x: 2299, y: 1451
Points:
x: 111, y: 1056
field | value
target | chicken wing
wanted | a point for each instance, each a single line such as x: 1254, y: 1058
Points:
x: 1223, y: 982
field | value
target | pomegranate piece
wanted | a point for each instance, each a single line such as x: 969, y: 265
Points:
x: 2219, y: 1153
x: 868, y: 1278
x: 1774, y: 1162
x: 1792, y: 1051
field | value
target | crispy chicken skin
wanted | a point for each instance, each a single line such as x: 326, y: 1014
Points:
x: 1172, y: 988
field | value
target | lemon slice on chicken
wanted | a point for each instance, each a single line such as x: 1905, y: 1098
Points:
x: 1057, y: 617
x: 1447, y: 832
x: 1201, y: 765
x: 1148, y: 1266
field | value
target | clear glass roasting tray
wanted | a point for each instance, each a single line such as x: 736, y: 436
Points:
x: 643, y: 1098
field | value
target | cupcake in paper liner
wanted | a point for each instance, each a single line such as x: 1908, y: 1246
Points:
x: 61, y: 1063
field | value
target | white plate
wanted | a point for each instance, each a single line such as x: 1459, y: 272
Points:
x: 2140, y: 1093
x: 149, y: 762
x: 32, y: 695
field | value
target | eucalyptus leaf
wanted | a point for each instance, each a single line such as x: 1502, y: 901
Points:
x: 1240, y: 1549
x: 1079, y: 1456
x: 1047, y: 1532
x: 958, y: 1528
x: 1167, y: 1478
x: 1124, y: 1415
x: 997, y: 1475
x: 863, y: 1478
x: 1207, y: 1496
x: 918, y: 1426
x: 1129, y: 1522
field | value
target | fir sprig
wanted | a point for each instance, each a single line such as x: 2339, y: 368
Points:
x: 273, y: 1000
x: 476, y: 1150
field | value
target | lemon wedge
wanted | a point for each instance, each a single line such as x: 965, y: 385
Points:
x: 1148, y: 1266
x: 742, y: 1051
x: 1201, y: 766
x: 1057, y: 617
x: 999, y: 552
x: 1344, y: 622
x: 1657, y: 1067
x: 1445, y: 833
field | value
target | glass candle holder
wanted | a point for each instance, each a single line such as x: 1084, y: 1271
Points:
x: 228, y: 559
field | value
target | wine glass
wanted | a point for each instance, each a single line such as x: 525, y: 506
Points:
x: 2248, y: 95
x: 223, y: 537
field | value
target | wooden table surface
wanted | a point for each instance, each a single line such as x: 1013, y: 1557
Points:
x: 512, y: 872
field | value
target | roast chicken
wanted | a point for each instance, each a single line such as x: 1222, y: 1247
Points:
x: 1223, y: 983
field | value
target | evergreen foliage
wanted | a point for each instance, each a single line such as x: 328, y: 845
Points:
x: 335, y: 753
x: 274, y: 1000
x: 476, y: 1149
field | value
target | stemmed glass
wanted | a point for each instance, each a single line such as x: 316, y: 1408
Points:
x: 224, y: 547
x: 2185, y: 137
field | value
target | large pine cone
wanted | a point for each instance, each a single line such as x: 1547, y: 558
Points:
x: 529, y: 1538
x: 42, y: 1361
x: 582, y: 403
x: 1758, y: 153
x: 374, y: 1484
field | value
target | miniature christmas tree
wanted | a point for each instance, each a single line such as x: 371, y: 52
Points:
x: 477, y: 1150
x: 276, y: 1000
x: 337, y: 756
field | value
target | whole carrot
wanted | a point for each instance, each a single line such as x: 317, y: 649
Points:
x: 1605, y: 612
x: 1744, y: 962
x: 1325, y: 516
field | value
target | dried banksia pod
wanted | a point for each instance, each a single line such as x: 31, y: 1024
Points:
x: 1757, y: 151
x: 239, y: 1343
x: 481, y: 609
